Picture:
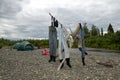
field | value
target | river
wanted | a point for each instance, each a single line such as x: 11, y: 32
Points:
x: 103, y: 52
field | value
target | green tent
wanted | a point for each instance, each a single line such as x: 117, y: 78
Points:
x: 15, y: 46
x: 24, y: 46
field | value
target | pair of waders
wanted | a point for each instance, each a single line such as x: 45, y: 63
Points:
x: 81, y: 44
x: 53, y: 39
x: 64, y: 53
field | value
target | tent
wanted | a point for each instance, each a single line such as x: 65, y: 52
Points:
x: 23, y: 46
x: 15, y: 46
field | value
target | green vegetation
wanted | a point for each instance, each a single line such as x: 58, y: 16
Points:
x: 5, y: 42
x: 37, y: 43
x: 110, y: 40
x: 107, y: 41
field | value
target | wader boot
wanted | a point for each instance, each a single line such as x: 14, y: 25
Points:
x: 62, y: 64
x: 51, y: 57
x: 86, y: 53
x: 68, y: 62
x: 83, y: 61
x: 54, y: 58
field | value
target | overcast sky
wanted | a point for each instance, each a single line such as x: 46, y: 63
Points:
x: 21, y: 19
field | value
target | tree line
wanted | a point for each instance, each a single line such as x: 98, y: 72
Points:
x: 95, y: 38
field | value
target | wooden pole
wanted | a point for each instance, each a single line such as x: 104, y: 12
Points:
x: 61, y: 64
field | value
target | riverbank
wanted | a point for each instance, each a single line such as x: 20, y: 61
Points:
x: 103, y: 50
x: 32, y: 65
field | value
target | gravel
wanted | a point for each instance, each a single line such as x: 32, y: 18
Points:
x: 32, y: 65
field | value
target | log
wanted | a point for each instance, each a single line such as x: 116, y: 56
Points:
x: 105, y: 64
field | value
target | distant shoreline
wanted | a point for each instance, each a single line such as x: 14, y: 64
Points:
x: 103, y: 49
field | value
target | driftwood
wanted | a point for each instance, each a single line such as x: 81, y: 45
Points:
x: 107, y: 64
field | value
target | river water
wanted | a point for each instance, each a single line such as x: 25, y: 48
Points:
x: 103, y: 52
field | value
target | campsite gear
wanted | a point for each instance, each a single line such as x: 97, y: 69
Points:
x: 62, y: 64
x: 68, y: 62
x: 23, y: 46
x: 16, y: 46
x: 45, y: 52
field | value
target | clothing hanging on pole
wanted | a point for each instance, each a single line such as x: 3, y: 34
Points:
x: 56, y: 23
x: 52, y: 40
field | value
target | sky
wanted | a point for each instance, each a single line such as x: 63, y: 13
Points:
x: 29, y: 19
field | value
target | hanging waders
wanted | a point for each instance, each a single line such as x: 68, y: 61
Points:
x: 52, y: 43
x: 63, y: 48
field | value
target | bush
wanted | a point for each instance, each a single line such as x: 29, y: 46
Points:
x: 1, y: 45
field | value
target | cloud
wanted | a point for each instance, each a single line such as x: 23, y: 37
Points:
x: 30, y: 18
x: 9, y: 8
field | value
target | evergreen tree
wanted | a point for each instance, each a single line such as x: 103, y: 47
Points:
x: 98, y: 31
x: 101, y: 31
x: 117, y: 37
x: 86, y: 30
x: 110, y: 29
x: 94, y: 31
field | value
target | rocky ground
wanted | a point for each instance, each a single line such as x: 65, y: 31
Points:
x: 32, y: 65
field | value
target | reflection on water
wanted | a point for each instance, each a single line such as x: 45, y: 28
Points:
x: 103, y: 52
